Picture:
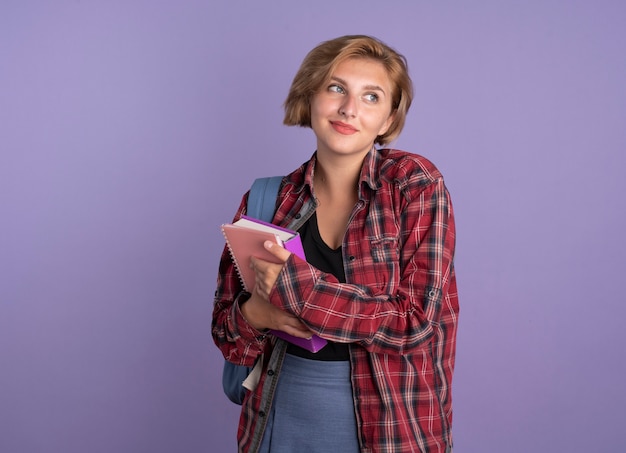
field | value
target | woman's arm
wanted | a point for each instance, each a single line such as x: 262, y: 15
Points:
x: 398, y: 319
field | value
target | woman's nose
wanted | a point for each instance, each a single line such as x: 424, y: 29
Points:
x: 348, y: 106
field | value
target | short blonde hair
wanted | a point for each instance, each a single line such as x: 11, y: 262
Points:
x: 319, y: 65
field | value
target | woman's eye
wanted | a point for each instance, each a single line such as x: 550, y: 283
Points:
x: 371, y: 97
x: 336, y: 89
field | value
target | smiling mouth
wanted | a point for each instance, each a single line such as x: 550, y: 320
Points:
x: 343, y: 128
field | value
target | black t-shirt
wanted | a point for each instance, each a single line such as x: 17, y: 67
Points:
x: 330, y: 261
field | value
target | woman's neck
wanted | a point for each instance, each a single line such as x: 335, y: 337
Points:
x: 337, y: 175
x: 336, y: 192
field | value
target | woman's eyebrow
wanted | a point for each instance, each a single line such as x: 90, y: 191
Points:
x: 366, y: 87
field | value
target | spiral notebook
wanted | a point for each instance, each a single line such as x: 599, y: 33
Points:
x: 245, y: 239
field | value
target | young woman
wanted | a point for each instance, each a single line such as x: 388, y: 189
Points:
x: 378, y: 283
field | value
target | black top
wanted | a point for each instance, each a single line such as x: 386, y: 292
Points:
x: 330, y: 261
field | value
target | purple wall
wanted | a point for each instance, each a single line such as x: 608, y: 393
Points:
x: 130, y: 129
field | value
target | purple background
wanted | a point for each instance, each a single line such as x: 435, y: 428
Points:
x: 130, y: 129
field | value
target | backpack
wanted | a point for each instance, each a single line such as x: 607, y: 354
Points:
x: 261, y: 205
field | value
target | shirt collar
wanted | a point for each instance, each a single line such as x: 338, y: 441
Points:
x: 369, y: 170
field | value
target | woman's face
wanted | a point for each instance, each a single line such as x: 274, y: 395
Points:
x: 353, y: 109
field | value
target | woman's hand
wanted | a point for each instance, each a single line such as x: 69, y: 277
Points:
x: 266, y: 272
x: 258, y: 311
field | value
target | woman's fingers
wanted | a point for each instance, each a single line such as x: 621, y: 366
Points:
x: 266, y: 275
x: 292, y: 325
x: 300, y: 331
x: 263, y: 315
x: 279, y: 252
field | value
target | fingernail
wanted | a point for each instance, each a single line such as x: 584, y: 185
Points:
x: 269, y: 244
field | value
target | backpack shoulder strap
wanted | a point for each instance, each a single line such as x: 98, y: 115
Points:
x: 262, y: 198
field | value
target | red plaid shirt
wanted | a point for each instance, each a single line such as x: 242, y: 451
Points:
x: 398, y: 308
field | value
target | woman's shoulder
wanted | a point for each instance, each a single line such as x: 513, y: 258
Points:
x: 404, y: 167
x: 297, y: 176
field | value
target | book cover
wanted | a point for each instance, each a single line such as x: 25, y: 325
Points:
x: 245, y: 239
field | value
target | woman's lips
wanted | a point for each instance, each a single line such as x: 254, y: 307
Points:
x: 343, y: 128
